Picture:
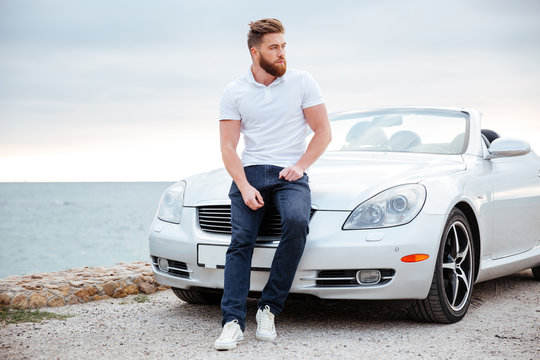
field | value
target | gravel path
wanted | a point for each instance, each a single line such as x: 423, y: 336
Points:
x: 502, y: 323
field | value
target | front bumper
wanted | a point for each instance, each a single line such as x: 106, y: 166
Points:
x: 327, y: 248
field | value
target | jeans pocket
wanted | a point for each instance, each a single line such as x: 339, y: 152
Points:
x: 233, y: 190
x: 304, y: 179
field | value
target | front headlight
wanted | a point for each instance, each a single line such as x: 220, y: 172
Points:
x: 170, y: 206
x: 396, y: 206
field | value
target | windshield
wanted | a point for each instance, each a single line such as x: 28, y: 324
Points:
x: 417, y: 131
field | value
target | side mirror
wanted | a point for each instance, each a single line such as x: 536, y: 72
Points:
x: 507, y: 148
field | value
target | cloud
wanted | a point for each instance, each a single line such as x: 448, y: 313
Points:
x: 84, y: 77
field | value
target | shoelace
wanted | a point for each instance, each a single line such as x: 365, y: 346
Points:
x: 267, y: 320
x: 229, y: 329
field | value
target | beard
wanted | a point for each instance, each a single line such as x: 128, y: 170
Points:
x: 274, y: 69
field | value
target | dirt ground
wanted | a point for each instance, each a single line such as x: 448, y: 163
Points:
x: 503, y: 322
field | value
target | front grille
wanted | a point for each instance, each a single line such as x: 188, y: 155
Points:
x: 335, y: 278
x: 217, y: 219
x: 176, y: 268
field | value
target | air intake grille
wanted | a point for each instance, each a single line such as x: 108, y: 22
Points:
x: 217, y: 219
x: 176, y: 268
x: 338, y: 278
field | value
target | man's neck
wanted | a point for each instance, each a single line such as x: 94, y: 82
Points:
x: 261, y: 76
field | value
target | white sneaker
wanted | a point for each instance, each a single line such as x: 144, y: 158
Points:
x: 266, y: 330
x: 230, y: 335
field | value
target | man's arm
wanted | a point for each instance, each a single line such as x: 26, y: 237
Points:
x: 229, y: 135
x: 317, y: 119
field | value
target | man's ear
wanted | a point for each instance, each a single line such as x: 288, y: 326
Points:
x: 254, y: 52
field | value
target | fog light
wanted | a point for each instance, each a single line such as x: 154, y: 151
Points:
x: 163, y: 264
x: 371, y: 277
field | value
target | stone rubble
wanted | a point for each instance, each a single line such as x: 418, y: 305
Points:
x: 79, y: 285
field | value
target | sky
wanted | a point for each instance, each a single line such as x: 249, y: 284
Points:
x: 128, y: 90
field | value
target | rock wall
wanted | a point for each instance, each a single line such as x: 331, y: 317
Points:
x: 73, y: 286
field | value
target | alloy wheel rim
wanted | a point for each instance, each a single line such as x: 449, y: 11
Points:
x: 457, y: 266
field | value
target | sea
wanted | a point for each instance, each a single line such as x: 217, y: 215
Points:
x: 47, y: 227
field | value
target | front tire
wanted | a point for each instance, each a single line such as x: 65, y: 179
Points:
x: 452, y: 284
x: 198, y: 296
x: 536, y: 272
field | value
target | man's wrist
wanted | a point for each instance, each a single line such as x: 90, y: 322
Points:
x: 301, y: 167
x: 243, y: 186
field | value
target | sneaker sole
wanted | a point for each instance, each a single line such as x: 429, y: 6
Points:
x: 228, y: 346
x: 221, y: 347
x: 265, y: 337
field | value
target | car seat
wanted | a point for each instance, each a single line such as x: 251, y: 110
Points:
x: 402, y: 140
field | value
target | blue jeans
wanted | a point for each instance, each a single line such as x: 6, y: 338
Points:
x: 293, y: 202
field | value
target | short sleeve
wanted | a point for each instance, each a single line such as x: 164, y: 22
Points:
x: 227, y: 107
x: 312, y: 92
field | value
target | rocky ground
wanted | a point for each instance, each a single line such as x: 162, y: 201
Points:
x: 502, y: 323
x: 74, y: 286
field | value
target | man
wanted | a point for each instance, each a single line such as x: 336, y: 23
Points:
x: 272, y: 107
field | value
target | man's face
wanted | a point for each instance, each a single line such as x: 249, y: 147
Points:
x: 271, y: 54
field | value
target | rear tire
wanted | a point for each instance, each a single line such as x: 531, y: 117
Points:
x: 536, y: 272
x: 198, y: 296
x: 451, y: 287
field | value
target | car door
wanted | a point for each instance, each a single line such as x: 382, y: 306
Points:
x: 516, y: 204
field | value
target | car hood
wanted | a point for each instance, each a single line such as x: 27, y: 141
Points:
x: 340, y: 180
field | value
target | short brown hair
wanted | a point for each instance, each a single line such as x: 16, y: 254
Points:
x: 260, y: 27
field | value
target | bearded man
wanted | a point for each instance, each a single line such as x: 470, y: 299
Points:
x: 272, y: 106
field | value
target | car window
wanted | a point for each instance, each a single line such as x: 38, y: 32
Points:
x: 422, y: 131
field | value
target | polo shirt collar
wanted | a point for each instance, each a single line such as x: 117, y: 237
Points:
x: 278, y: 80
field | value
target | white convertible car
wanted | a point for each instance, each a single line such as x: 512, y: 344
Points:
x: 407, y: 203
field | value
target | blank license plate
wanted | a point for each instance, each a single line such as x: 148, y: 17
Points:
x: 213, y: 256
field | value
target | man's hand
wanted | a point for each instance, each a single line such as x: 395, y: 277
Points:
x: 291, y: 173
x: 252, y: 197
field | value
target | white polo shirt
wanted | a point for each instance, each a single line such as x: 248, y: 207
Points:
x: 272, y: 119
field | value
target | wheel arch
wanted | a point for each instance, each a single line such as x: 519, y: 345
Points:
x: 473, y: 222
